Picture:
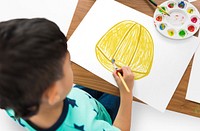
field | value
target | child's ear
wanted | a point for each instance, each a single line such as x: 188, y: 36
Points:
x: 53, y: 95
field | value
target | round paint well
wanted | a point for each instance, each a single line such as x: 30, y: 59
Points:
x: 191, y: 28
x: 171, y: 5
x: 159, y: 18
x: 182, y: 4
x: 171, y: 32
x: 162, y: 26
x: 182, y: 33
x: 194, y: 19
x: 190, y: 10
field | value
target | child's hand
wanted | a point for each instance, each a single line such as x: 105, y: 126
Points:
x: 123, y: 118
x: 127, y: 76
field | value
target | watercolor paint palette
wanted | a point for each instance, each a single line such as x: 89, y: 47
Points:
x: 182, y: 23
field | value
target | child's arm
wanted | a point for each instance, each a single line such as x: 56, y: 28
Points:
x: 123, y: 118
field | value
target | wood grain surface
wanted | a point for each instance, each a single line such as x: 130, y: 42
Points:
x: 83, y: 77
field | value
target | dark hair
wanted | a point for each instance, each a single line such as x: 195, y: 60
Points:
x: 32, y: 53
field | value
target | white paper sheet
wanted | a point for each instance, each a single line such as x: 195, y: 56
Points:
x: 59, y: 11
x: 171, y: 57
x: 145, y: 118
x: 192, y: 0
x: 193, y: 90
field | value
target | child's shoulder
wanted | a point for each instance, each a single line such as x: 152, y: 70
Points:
x: 81, y: 99
x: 78, y: 93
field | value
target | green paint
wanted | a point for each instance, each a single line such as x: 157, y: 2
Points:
x: 163, y: 9
x: 182, y: 33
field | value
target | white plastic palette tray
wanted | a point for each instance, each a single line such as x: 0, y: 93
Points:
x: 182, y: 23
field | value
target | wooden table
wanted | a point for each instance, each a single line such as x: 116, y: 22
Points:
x: 83, y: 77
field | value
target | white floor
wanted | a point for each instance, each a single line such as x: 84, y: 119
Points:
x: 145, y: 118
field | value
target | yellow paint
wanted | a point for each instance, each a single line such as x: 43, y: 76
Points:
x: 129, y: 43
x: 190, y: 11
x: 170, y: 32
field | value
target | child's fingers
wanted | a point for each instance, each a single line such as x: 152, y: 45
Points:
x: 129, y: 69
x: 128, y: 75
x: 115, y: 75
x: 125, y: 70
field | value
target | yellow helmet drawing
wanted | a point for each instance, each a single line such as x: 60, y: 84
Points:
x: 130, y: 44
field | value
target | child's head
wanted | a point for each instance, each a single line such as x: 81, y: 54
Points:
x: 32, y: 55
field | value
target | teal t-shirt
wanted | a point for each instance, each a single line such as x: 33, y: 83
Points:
x: 81, y: 112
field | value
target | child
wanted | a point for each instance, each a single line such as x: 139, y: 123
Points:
x: 36, y: 82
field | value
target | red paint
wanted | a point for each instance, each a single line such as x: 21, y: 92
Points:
x: 159, y: 18
x: 194, y: 19
x: 191, y: 28
x: 171, y: 5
